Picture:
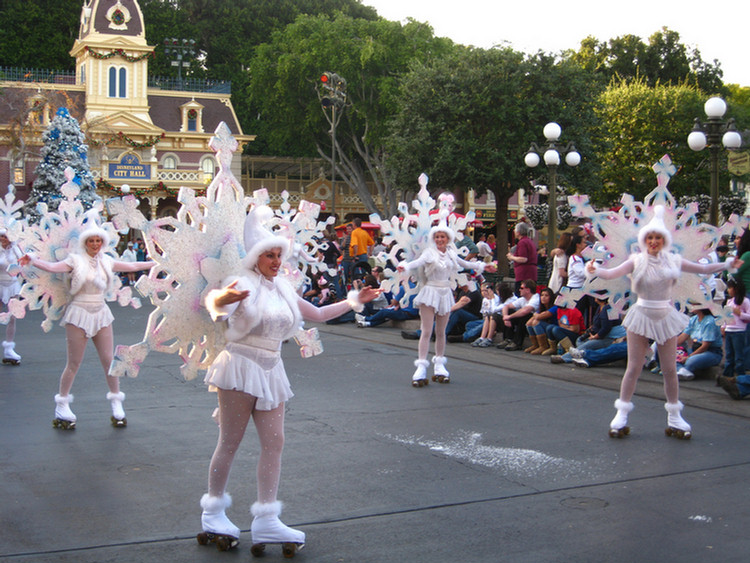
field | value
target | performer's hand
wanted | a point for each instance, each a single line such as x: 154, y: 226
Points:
x: 737, y: 264
x: 491, y: 268
x: 367, y: 294
x: 590, y: 267
x: 230, y: 295
x: 24, y: 260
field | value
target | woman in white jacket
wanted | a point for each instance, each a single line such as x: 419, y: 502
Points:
x: 9, y: 288
x: 440, y: 263
x: 87, y: 316
x: 261, y: 310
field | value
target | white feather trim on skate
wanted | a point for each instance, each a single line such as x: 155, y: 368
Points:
x: 261, y: 509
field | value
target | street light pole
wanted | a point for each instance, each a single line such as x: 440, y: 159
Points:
x: 332, y: 95
x: 180, y: 50
x: 714, y: 133
x: 551, y: 154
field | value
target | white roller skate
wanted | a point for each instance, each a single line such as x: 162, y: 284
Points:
x: 676, y: 425
x: 9, y: 354
x: 419, y: 379
x: 439, y: 373
x: 118, y: 414
x: 217, y: 528
x: 64, y: 417
x: 267, y: 529
x: 619, y: 428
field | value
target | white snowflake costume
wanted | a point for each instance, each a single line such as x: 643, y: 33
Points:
x: 10, y: 227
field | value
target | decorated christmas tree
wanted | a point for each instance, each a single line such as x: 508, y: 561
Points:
x: 63, y: 147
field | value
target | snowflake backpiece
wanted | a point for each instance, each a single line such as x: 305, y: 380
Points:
x: 194, y: 252
x: 405, y: 237
x: 13, y: 225
x: 53, y: 239
x: 616, y: 234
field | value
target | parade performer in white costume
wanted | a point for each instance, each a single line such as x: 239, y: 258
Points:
x: 261, y: 310
x: 87, y: 316
x: 9, y: 288
x: 654, y: 272
x: 440, y: 263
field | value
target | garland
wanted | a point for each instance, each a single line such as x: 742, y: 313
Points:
x: 119, y: 52
x: 122, y: 137
x: 102, y: 184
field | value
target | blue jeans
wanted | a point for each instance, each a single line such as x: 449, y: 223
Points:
x: 390, y: 315
x: 459, y: 319
x: 704, y: 360
x: 541, y: 328
x: 734, y: 353
x: 558, y: 333
x: 473, y: 330
x: 612, y: 353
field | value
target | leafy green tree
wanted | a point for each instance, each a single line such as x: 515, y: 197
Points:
x: 664, y: 59
x: 370, y: 56
x: 638, y: 124
x: 468, y: 119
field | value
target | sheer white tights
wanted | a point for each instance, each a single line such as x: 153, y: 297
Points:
x: 428, y: 316
x: 235, y: 410
x: 76, y: 343
x: 637, y: 347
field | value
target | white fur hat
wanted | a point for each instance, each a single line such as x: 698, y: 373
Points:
x: 442, y: 227
x: 93, y: 229
x: 259, y: 239
x: 656, y: 225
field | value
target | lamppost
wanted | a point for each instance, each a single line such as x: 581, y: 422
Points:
x: 551, y: 154
x: 713, y: 133
x: 180, y: 50
x: 332, y: 96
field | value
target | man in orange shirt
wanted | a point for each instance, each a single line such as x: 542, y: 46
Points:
x: 361, y: 243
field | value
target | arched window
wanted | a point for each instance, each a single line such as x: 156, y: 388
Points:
x: 118, y: 82
x: 208, y: 166
x: 170, y: 163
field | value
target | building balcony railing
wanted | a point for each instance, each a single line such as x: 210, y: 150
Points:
x: 13, y: 74
x: 190, y: 85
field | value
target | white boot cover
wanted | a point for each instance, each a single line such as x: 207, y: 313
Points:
x: 214, y: 519
x: 438, y: 366
x: 62, y: 408
x: 621, y: 418
x: 116, y: 400
x: 674, y: 418
x: 267, y: 528
x: 9, y: 352
x: 421, y: 371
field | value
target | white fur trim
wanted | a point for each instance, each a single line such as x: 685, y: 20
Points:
x: 67, y: 399
x: 352, y: 298
x: 94, y: 231
x: 421, y: 363
x: 674, y: 408
x: 656, y: 225
x: 119, y: 396
x: 439, y: 360
x: 214, y: 504
x: 260, y: 509
x: 621, y: 405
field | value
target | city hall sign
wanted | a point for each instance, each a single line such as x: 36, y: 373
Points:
x: 129, y: 168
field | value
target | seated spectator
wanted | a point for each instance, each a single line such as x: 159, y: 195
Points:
x: 603, y: 330
x: 569, y: 327
x: 394, y: 311
x: 465, y: 309
x: 539, y: 322
x: 590, y: 358
x: 490, y: 306
x: 518, y: 311
x: 706, y: 350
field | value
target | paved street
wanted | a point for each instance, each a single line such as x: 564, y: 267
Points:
x: 510, y: 462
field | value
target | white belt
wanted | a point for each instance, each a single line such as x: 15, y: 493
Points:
x: 439, y: 283
x: 88, y: 298
x: 249, y: 342
x: 652, y: 304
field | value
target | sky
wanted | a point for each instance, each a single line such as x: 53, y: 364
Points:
x: 553, y: 26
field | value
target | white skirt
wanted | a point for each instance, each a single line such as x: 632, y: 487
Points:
x: 439, y: 298
x: 236, y: 371
x: 89, y: 317
x: 659, y: 324
x: 8, y: 290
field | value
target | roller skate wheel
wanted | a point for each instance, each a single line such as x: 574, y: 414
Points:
x: 118, y: 423
x: 443, y: 379
x: 225, y: 543
x: 619, y: 432
x: 258, y: 549
x: 434, y: 377
x: 11, y: 362
x: 64, y: 424
x: 203, y: 538
x: 419, y: 382
x: 678, y: 433
x: 290, y: 549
